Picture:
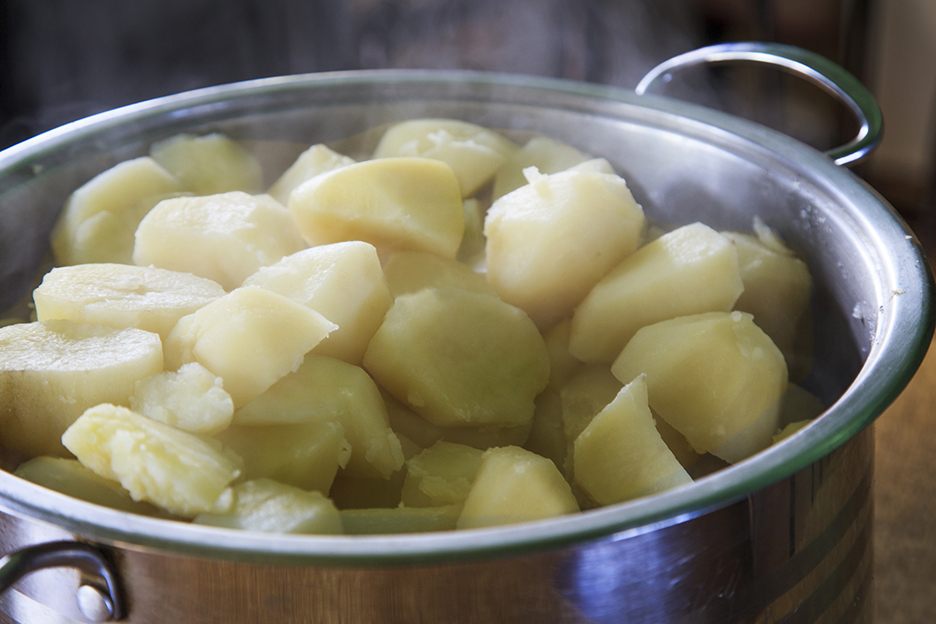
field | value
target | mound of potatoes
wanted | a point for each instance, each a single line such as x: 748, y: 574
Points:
x: 457, y: 331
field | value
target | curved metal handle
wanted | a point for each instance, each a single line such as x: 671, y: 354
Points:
x: 91, y: 601
x: 818, y: 70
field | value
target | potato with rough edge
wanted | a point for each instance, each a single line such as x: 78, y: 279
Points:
x: 315, y: 160
x: 440, y: 475
x: 209, y: 164
x: 191, y: 399
x: 115, y: 194
x: 121, y: 296
x: 473, y: 152
x: 717, y: 378
x: 411, y: 271
x: 460, y: 359
x: 620, y: 455
x: 551, y: 241
x: 393, y: 203
x: 71, y: 477
x: 691, y: 270
x: 514, y: 485
x: 324, y: 389
x: 250, y: 338
x: 224, y: 237
x: 271, y: 507
x: 51, y: 372
x: 344, y: 283
x: 546, y: 154
x: 173, y: 469
x: 306, y: 456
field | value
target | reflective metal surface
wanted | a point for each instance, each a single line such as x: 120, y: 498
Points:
x: 727, y: 548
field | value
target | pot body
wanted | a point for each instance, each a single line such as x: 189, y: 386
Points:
x: 784, y: 536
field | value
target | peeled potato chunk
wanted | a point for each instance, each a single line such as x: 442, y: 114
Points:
x: 411, y: 271
x: 471, y: 250
x: 584, y: 396
x: 324, y: 389
x: 306, y: 456
x: 250, y: 338
x: 173, y: 469
x: 224, y: 237
x: 717, y: 378
x: 51, y: 372
x: 121, y: 296
x: 315, y: 160
x: 399, y: 520
x: 71, y: 477
x: 209, y: 164
x: 514, y: 485
x: 551, y: 241
x: 191, y: 399
x: 113, y: 194
x: 344, y: 283
x: 440, y: 475
x: 691, y: 270
x: 546, y: 154
x: 473, y: 152
x: 620, y: 455
x: 460, y: 358
x: 392, y: 203
x: 271, y: 507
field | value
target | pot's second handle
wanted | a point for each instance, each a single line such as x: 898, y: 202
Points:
x: 98, y: 603
x: 815, y: 68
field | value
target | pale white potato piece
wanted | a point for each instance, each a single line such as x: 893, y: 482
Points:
x: 52, y: 372
x: 392, y: 203
x: 620, y: 455
x: 315, y: 160
x: 551, y: 241
x: 324, y: 389
x: 250, y: 338
x: 305, y: 456
x: 71, y: 477
x: 117, y: 195
x: 459, y: 358
x: 691, y: 270
x: 715, y: 377
x: 224, y: 237
x: 209, y: 164
x: 440, y: 475
x: 546, y: 154
x: 120, y: 295
x: 271, y: 507
x: 596, y: 165
x: 411, y: 271
x: 473, y: 152
x: 514, y: 485
x: 174, y: 469
x: 191, y: 399
x: 344, y: 283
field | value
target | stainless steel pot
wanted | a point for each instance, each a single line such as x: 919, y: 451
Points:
x: 784, y: 536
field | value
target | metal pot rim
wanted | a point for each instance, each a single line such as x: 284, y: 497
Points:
x: 903, y: 328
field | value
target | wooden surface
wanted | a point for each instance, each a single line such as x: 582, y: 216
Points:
x: 905, y: 504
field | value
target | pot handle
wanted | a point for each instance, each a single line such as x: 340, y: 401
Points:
x: 99, y: 602
x: 817, y: 69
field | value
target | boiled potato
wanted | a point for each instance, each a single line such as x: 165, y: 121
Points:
x: 583, y: 397
x: 393, y: 203
x: 399, y: 520
x: 122, y: 296
x: 344, y: 283
x: 459, y: 358
x: 473, y: 152
x: 440, y: 475
x: 547, y: 433
x: 173, y: 469
x: 209, y: 164
x: 546, y: 154
x: 411, y: 271
x: 51, y: 372
x: 315, y: 160
x: 224, y: 237
x: 691, y: 270
x: 191, y: 399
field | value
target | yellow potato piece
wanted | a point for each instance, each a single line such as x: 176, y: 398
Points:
x: 411, y: 271
x: 393, y: 203
x: 460, y: 359
x: 51, y: 372
x: 440, y: 475
x: 399, y: 520
x: 315, y: 160
x: 191, y: 399
x: 209, y: 164
x: 546, y: 154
